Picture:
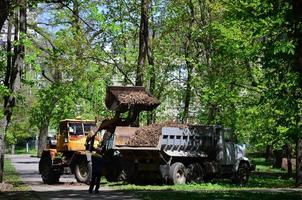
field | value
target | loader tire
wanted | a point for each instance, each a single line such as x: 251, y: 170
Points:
x: 83, y: 171
x: 48, y: 174
x: 177, y: 173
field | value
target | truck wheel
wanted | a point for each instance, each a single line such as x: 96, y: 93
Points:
x: 195, y: 173
x: 83, y: 171
x: 115, y: 170
x: 177, y: 173
x: 49, y: 176
x: 242, y: 175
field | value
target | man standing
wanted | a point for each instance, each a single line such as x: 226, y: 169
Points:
x: 97, y: 162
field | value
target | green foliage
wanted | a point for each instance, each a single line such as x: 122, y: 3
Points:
x: 240, y: 55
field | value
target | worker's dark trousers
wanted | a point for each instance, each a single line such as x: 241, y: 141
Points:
x: 95, y: 181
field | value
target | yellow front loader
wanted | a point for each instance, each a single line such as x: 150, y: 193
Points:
x: 68, y: 155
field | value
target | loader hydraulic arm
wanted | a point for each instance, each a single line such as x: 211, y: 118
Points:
x: 123, y: 99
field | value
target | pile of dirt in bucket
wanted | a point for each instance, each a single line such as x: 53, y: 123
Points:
x: 135, y: 97
x: 120, y: 98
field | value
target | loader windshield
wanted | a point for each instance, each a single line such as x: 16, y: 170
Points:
x: 89, y: 127
x: 76, y: 129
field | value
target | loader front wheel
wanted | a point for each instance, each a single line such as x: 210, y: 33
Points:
x: 83, y: 171
x: 177, y: 173
x: 49, y: 175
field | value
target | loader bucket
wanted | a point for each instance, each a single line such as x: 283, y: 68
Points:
x: 124, y: 98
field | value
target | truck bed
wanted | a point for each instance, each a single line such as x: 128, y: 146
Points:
x: 193, y: 141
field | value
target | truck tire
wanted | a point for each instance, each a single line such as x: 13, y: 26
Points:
x: 115, y: 170
x: 48, y: 174
x: 242, y: 175
x: 195, y: 173
x: 83, y: 171
x: 177, y: 173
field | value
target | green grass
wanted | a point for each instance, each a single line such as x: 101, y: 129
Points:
x: 224, y: 195
x: 11, y: 177
x: 20, y: 190
x: 265, y: 177
x: 259, y: 187
x: 23, y: 151
x: 263, y: 166
x: 256, y: 182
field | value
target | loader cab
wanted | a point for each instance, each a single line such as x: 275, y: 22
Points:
x: 72, y: 134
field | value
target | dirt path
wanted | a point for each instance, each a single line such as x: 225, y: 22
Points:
x: 67, y: 189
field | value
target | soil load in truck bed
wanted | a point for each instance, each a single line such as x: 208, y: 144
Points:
x: 120, y: 98
x: 148, y: 136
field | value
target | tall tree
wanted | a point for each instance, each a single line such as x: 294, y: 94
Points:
x: 296, y: 23
x: 143, y: 42
x: 13, y: 73
x: 189, y: 65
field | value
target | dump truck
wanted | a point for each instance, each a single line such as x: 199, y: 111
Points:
x: 68, y: 154
x: 192, y: 153
x: 169, y: 153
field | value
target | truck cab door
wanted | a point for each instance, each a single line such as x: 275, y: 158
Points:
x: 230, y: 153
x: 226, y: 151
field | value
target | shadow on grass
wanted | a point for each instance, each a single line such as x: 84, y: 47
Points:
x: 152, y: 195
x: 221, y: 195
x: 66, y: 194
x: 20, y: 195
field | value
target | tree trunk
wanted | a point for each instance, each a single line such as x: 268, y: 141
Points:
x: 12, y: 74
x: 299, y: 163
x: 3, y: 127
x: 269, y: 153
x: 189, y: 65
x: 4, y: 12
x: 42, y: 140
x: 288, y: 152
x: 143, y: 49
x: 151, y: 114
x: 143, y: 42
x: 296, y: 20
x: 187, y: 93
x: 4, y: 120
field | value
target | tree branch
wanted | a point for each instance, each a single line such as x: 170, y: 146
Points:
x: 46, y: 77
